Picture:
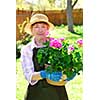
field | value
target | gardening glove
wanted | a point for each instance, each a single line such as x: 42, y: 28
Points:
x: 71, y: 78
x: 54, y: 76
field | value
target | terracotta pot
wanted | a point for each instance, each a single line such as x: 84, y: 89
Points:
x: 60, y: 83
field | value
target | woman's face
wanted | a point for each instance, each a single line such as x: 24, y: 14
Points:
x: 40, y: 29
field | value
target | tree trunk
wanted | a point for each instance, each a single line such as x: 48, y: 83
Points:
x: 69, y: 16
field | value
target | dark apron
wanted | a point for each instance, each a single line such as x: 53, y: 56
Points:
x: 42, y: 90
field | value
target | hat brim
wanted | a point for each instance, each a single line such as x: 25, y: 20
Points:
x: 27, y: 28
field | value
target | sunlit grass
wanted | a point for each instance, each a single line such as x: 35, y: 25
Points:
x: 62, y: 31
x: 21, y: 83
x: 75, y: 88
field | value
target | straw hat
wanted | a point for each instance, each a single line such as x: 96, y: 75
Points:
x: 38, y: 18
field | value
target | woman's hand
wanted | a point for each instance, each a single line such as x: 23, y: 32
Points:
x: 54, y: 76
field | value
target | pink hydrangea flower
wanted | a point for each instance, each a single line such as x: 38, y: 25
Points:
x: 70, y: 48
x: 55, y: 43
x: 80, y: 42
x: 62, y: 39
x: 51, y: 38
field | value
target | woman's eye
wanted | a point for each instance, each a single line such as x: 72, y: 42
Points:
x: 43, y: 26
x: 35, y: 26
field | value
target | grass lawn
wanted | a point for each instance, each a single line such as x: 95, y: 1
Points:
x: 74, y: 88
x: 21, y: 83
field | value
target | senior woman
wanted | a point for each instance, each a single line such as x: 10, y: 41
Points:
x: 39, y: 88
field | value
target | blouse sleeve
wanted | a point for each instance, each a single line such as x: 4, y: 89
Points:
x: 27, y: 65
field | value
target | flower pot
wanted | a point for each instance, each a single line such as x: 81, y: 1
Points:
x: 60, y: 83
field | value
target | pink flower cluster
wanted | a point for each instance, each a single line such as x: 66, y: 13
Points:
x: 70, y: 48
x: 56, y: 43
x: 80, y: 42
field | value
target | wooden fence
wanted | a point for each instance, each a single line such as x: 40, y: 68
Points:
x: 55, y: 16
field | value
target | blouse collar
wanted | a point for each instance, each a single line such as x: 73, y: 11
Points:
x: 33, y: 44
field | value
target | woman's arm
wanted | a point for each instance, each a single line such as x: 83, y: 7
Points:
x: 28, y: 67
x: 36, y: 76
